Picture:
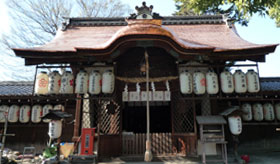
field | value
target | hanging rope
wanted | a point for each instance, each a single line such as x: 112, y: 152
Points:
x: 143, y: 79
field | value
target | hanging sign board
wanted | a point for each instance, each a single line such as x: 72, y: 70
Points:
x: 157, y: 96
x: 133, y: 96
x: 125, y: 96
x: 167, y: 96
x: 144, y: 96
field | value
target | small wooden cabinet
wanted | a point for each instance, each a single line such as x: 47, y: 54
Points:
x: 212, y: 131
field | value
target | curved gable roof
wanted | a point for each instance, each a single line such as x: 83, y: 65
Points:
x: 100, y: 36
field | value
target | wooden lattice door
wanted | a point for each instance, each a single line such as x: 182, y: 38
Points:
x: 105, y: 115
x: 184, y: 134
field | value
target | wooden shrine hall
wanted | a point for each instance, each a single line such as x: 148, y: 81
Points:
x: 146, y: 54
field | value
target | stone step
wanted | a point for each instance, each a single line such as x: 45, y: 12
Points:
x: 76, y: 159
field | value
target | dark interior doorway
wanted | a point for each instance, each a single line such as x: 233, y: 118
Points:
x: 134, y: 119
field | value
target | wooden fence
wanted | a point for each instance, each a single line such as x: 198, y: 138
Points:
x: 135, y: 144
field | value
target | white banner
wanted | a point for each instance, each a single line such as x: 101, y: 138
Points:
x: 133, y: 96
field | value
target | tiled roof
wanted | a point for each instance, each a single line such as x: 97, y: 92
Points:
x: 170, y: 20
x: 195, y: 35
x: 216, y: 36
x: 24, y: 88
x: 16, y: 88
x: 270, y: 84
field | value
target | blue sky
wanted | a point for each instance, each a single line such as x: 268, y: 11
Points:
x: 261, y: 30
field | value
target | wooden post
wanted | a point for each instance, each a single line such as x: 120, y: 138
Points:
x: 148, y: 152
x: 77, y: 119
x: 58, y: 150
x: 4, y: 136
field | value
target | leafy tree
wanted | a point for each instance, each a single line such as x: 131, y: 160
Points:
x: 35, y: 22
x: 237, y: 10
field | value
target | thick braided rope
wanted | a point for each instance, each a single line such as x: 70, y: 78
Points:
x: 143, y: 79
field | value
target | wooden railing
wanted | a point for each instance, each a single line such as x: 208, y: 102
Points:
x: 134, y: 144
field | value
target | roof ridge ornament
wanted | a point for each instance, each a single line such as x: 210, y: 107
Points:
x: 227, y: 20
x: 144, y: 12
x: 144, y: 9
x: 65, y: 23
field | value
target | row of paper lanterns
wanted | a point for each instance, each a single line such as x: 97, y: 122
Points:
x: 93, y: 82
x: 25, y: 113
x: 260, y: 112
x: 257, y: 112
x: 200, y: 83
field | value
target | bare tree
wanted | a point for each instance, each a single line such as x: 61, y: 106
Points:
x: 35, y: 22
x: 102, y: 8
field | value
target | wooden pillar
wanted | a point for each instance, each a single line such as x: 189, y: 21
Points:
x: 148, y: 153
x: 77, y: 124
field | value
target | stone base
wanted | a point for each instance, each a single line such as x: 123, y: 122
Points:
x: 76, y: 159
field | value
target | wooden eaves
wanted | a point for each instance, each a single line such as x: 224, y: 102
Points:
x: 85, y: 39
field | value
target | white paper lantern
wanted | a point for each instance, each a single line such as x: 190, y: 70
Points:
x: 24, y: 113
x: 13, y: 113
x: 212, y: 84
x: 42, y: 83
x: 247, y: 108
x: 268, y: 112
x: 59, y: 107
x: 186, y: 82
x: 95, y: 82
x: 3, y: 109
x: 67, y: 83
x: 82, y: 82
x: 253, y: 81
x: 240, y: 83
x: 46, y: 109
x: 55, y: 129
x: 235, y: 125
x: 277, y: 110
x: 258, y: 112
x: 227, y: 85
x: 199, y: 83
x: 108, y: 82
x: 36, y: 113
x: 54, y: 82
